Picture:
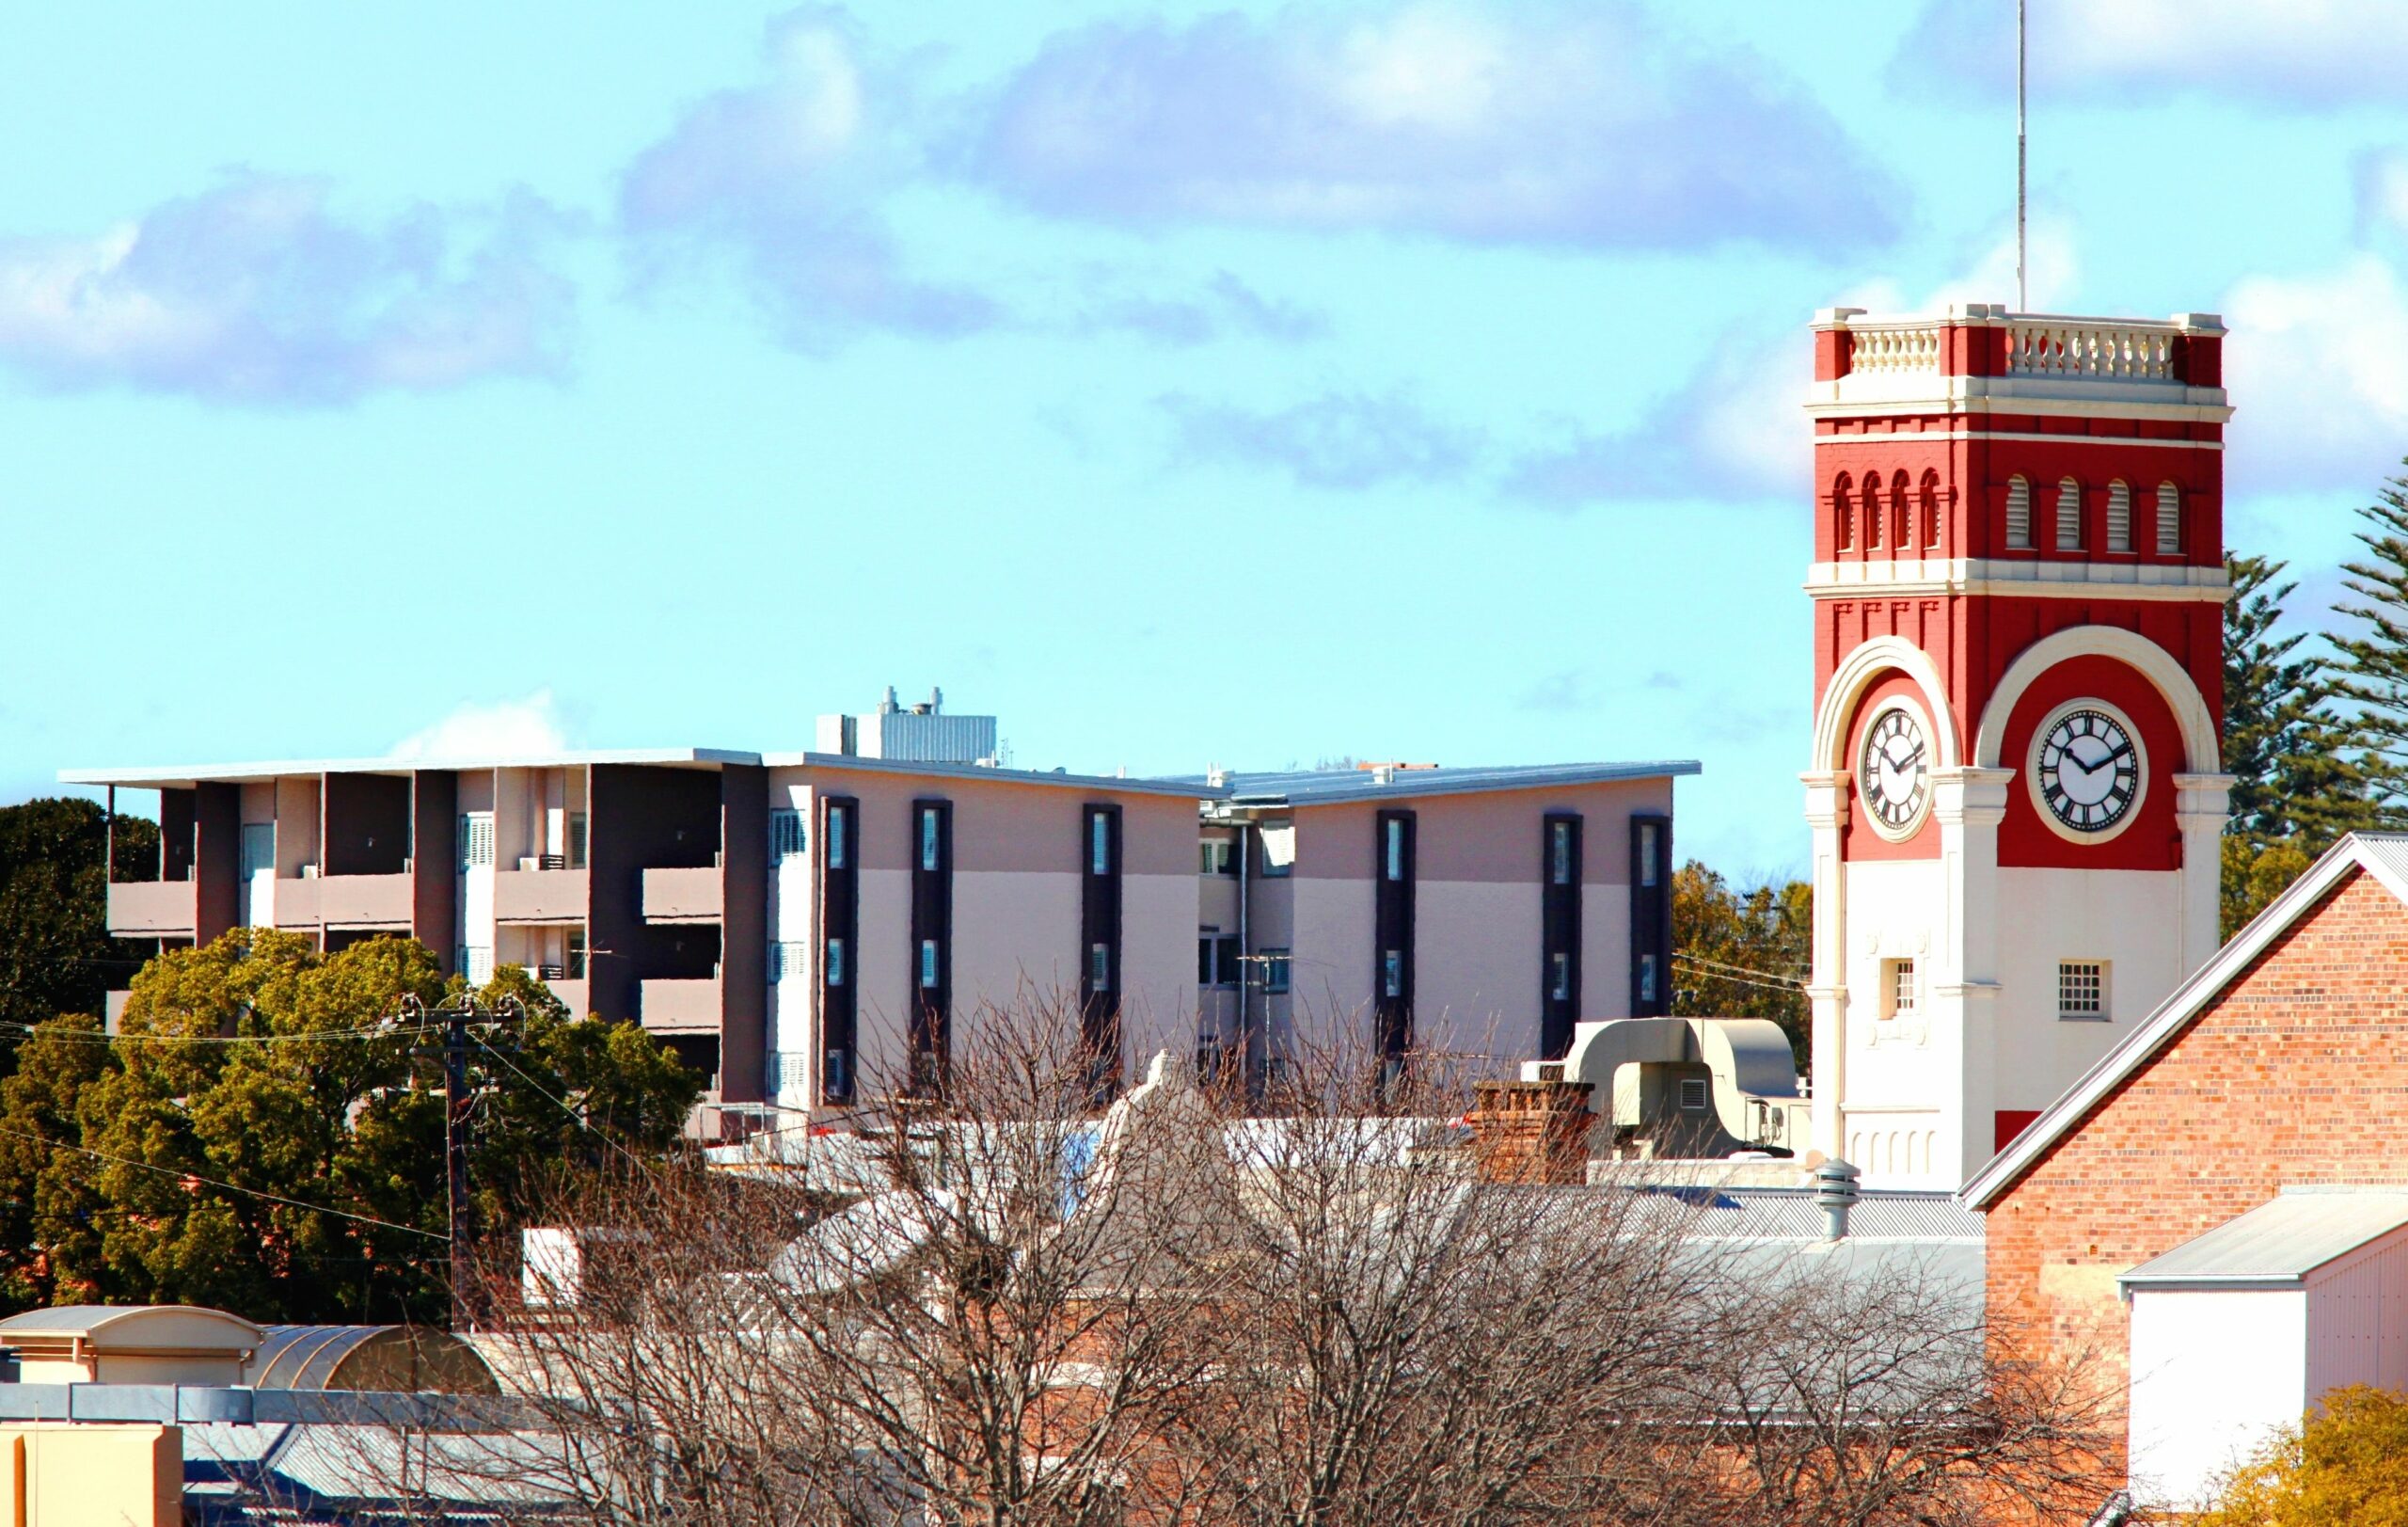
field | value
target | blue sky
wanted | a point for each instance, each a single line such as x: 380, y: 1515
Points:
x: 1186, y: 385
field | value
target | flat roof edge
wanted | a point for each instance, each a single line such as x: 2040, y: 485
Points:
x: 1132, y: 785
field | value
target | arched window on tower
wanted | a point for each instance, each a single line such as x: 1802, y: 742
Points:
x: 1901, y: 511
x: 2169, y: 520
x: 2069, y: 515
x: 1844, y: 512
x: 2119, y: 517
x: 1928, y: 501
x: 2019, y: 513
x: 1873, y: 510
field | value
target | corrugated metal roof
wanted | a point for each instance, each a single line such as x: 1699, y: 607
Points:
x: 178, y: 776
x: 96, y: 1319
x: 2282, y: 1241
x: 1330, y: 786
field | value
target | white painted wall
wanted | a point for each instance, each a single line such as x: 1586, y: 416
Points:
x: 2215, y: 1373
x: 1921, y: 1094
x: 2357, y: 1318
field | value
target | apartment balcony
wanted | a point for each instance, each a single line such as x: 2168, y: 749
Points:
x: 682, y: 896
x: 154, y: 908
x: 680, y: 1007
x: 572, y: 993
x: 531, y: 894
x: 297, y: 903
x: 358, y: 901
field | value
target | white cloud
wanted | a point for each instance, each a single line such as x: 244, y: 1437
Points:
x: 525, y: 728
x: 783, y: 179
x: 1561, y: 126
x: 255, y: 292
x: 2318, y: 369
x: 2305, y: 51
x: 1736, y: 427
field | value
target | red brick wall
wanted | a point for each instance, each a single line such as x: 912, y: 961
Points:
x: 2298, y: 1072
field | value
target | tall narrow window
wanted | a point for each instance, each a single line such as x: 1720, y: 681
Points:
x: 835, y: 961
x: 1873, y: 510
x: 1901, y: 512
x: 928, y: 835
x: 1844, y: 513
x: 1647, y: 977
x: 1559, y: 852
x: 2119, y: 517
x: 839, y: 821
x: 1392, y: 973
x: 576, y: 954
x: 1394, y: 848
x: 1560, y: 978
x: 1928, y: 502
x: 1098, y: 844
x: 476, y: 840
x: 1649, y: 857
x: 2169, y: 520
x: 2069, y: 515
x: 2019, y: 513
x: 785, y: 835
x: 576, y: 840
x: 1099, y: 967
x: 927, y: 963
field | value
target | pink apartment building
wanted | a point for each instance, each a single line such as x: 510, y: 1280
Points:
x: 801, y: 926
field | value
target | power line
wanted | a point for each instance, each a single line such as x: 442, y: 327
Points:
x: 579, y: 1114
x: 211, y: 1182
x: 1792, y: 974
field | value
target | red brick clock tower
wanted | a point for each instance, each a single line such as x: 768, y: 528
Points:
x: 2015, y: 790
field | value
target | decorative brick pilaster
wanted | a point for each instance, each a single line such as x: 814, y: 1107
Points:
x: 1532, y: 1132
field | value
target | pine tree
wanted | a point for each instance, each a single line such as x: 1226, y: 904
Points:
x: 2295, y: 777
x: 2299, y: 781
x: 2373, y: 671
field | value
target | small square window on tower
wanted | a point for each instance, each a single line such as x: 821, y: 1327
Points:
x: 2082, y: 990
x: 1901, y: 996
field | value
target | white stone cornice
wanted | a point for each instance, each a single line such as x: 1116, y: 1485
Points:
x: 2029, y: 577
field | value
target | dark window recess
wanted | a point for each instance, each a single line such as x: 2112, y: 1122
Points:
x: 1651, y: 916
x: 1099, y: 844
x: 1392, y: 934
x: 1218, y: 960
x: 1559, y: 932
x: 931, y: 976
x: 840, y: 917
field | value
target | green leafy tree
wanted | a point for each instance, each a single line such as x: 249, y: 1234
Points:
x: 2346, y: 1462
x: 1743, y: 953
x: 261, y: 1137
x: 55, y: 953
x: 46, y: 1196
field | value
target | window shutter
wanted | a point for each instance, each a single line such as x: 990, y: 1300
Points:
x: 2069, y: 515
x: 2169, y: 520
x: 2119, y: 517
x: 2018, y: 513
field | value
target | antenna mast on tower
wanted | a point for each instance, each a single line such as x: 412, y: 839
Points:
x: 2022, y: 297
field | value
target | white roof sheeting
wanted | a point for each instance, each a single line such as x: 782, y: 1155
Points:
x: 2279, y: 1242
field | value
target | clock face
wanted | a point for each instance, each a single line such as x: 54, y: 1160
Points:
x: 1892, y: 772
x: 2089, y: 771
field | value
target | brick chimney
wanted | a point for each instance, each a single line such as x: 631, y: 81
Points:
x: 1532, y: 1132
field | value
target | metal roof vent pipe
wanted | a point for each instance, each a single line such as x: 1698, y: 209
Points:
x: 1836, y: 1194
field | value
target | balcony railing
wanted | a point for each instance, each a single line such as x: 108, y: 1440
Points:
x: 680, y: 1006
x: 682, y: 896
x: 536, y: 896
x: 149, y: 908
x: 2084, y: 348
